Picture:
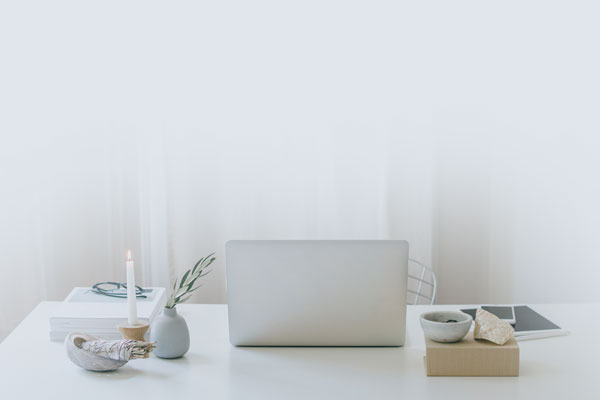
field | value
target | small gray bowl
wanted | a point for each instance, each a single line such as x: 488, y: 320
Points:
x: 445, y: 326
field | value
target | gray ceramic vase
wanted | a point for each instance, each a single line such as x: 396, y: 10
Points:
x: 170, y: 332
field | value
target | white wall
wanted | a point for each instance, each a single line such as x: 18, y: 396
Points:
x: 468, y: 128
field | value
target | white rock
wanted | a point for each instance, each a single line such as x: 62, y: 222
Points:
x: 492, y: 328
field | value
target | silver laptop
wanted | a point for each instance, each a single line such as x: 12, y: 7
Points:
x: 317, y: 293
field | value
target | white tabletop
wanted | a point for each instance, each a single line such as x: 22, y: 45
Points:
x: 559, y: 367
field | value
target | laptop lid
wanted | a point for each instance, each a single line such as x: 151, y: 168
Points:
x: 317, y: 293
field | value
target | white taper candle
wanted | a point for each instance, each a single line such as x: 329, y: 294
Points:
x: 131, y: 300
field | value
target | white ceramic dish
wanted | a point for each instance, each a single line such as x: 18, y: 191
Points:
x: 445, y: 326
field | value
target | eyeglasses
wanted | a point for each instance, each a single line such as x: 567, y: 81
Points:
x: 116, y: 289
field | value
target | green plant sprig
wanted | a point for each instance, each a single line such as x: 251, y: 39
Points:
x: 186, y: 285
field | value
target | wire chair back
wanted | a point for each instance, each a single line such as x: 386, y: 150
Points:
x: 422, y: 285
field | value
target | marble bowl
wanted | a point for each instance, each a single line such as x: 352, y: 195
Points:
x: 445, y: 326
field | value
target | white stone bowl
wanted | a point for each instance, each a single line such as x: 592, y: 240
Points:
x: 437, y: 328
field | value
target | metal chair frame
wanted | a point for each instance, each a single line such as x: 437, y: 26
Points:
x: 422, y: 281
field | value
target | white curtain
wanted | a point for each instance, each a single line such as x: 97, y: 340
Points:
x: 468, y: 129
x: 76, y: 202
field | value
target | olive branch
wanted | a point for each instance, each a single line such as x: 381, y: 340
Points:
x: 186, y: 285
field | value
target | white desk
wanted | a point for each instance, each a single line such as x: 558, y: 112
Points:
x: 32, y: 367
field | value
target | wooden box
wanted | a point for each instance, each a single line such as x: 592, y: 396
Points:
x: 471, y: 357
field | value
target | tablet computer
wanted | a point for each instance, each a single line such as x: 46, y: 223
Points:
x: 529, y: 324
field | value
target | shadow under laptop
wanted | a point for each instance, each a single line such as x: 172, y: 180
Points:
x: 363, y: 359
x: 299, y: 370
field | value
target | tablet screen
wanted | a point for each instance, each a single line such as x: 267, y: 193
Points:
x: 501, y: 312
x: 527, y: 320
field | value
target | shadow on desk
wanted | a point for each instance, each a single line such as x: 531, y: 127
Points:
x: 360, y: 360
x: 157, y: 369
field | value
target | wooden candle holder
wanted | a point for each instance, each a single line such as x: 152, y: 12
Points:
x: 134, y: 332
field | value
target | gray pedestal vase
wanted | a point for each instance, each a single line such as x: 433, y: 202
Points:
x: 170, y: 332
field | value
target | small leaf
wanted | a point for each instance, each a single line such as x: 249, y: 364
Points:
x: 210, y: 262
x: 195, y: 278
x: 194, y: 289
x: 196, y: 266
x: 205, y: 273
x: 205, y: 260
x: 184, y: 299
x: 184, y: 277
x: 180, y: 292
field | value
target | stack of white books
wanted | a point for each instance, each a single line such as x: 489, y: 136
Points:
x: 85, y: 311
